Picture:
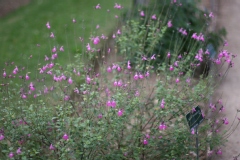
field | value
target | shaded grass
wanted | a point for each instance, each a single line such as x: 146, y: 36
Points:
x: 23, y: 29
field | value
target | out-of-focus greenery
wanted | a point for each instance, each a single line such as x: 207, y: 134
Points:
x: 23, y: 29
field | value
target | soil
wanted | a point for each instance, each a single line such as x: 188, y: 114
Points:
x: 228, y: 17
x: 6, y: 6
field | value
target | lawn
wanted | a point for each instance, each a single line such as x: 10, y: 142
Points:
x: 23, y: 29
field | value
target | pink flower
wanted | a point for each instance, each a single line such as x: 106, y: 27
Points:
x: 70, y: 81
x: 219, y: 152
x: 4, y: 74
x: 192, y: 131
x: 11, y: 155
x: 145, y: 142
x: 119, y: 69
x: 65, y: 137
x: 15, y: 70
x: 128, y: 65
x: 100, y: 116
x: 61, y: 49
x: 147, y: 74
x: 225, y: 121
x: 169, y: 24
x: 48, y: 25
x: 27, y: 77
x: 74, y: 20
x: 109, y: 69
x: 117, y: 6
x: 142, y: 13
x: 118, y: 31
x: 177, y: 80
x: 154, y: 17
x: 54, y: 49
x: 171, y: 68
x: 211, y: 15
x: 52, y: 147
x: 162, y: 103
x: 24, y: 96
x: 88, y: 80
x: 153, y: 57
x: 168, y: 55
x: 119, y: 83
x: 136, y: 76
x: 115, y: 83
x: 195, y: 36
x: 51, y: 35
x: 98, y: 6
x: 114, y: 36
x: 113, y: 104
x: 120, y: 112
x: 46, y: 58
x: 88, y: 47
x: 66, y: 98
x: 19, y: 151
x: 96, y: 40
x: 162, y: 126
x: 1, y: 137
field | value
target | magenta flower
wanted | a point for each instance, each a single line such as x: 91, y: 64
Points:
x: 51, y: 35
x: 4, y: 74
x: 120, y: 112
x: 100, y: 116
x: 66, y: 98
x: 147, y: 74
x: 19, y: 151
x: 24, y: 96
x: 153, y: 57
x: 113, y: 104
x: 11, y: 155
x: 219, y: 152
x: 27, y: 77
x: 177, y: 80
x: 145, y: 142
x: 119, y: 69
x: 168, y: 55
x: 118, y: 31
x: 136, y: 76
x: 88, y: 47
x: 115, y: 83
x: 70, y: 81
x: 162, y: 103
x: 15, y: 70
x: 98, y: 6
x: 52, y: 147
x: 46, y: 58
x: 54, y: 49
x: 109, y: 69
x: 128, y: 65
x: 114, y: 36
x: 119, y: 83
x: 192, y: 131
x: 65, y: 137
x: 140, y: 76
x: 211, y: 15
x: 1, y: 137
x: 171, y: 68
x: 117, y: 6
x: 96, y: 40
x: 169, y: 24
x: 195, y: 36
x: 162, y: 126
x: 48, y: 25
x: 142, y: 13
x: 88, y: 80
x: 154, y: 17
x: 109, y: 104
x: 61, y: 49
x: 225, y: 121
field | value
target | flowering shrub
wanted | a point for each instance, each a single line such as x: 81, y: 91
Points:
x: 179, y: 31
x: 116, y: 112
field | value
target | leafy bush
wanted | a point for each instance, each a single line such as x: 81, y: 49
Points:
x: 119, y: 112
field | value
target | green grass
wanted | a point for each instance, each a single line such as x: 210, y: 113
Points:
x: 22, y: 29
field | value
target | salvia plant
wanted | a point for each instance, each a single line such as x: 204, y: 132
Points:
x: 116, y: 110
